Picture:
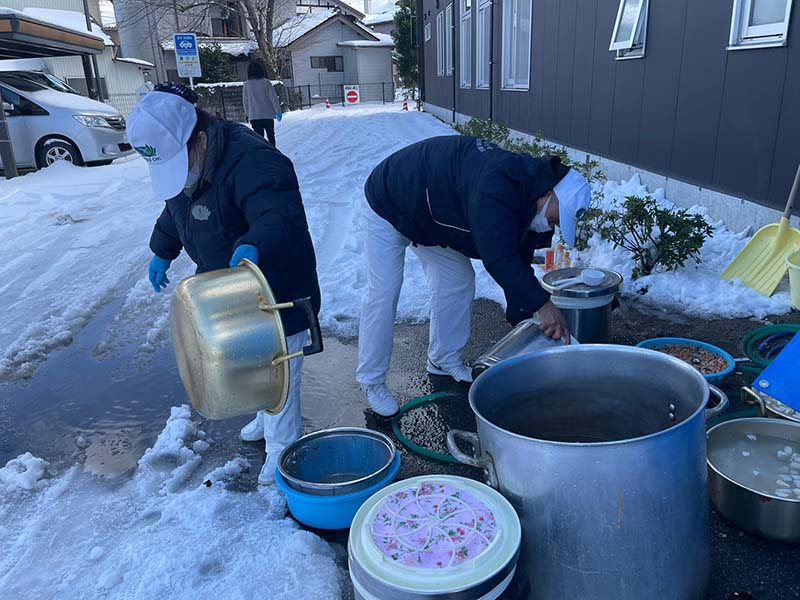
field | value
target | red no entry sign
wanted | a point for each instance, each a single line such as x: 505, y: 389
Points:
x: 351, y: 94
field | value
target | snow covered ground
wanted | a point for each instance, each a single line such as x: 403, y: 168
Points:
x: 74, y: 240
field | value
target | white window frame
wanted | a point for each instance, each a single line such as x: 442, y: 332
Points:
x: 483, y: 54
x: 637, y: 49
x: 627, y: 43
x: 509, y: 46
x: 440, y: 44
x: 465, y: 45
x: 427, y: 32
x: 448, y: 26
x: 744, y: 36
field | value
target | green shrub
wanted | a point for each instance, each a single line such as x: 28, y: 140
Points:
x: 501, y: 135
x: 656, y: 236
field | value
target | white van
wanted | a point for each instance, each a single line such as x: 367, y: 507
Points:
x: 47, y: 125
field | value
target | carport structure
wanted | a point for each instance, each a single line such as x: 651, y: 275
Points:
x: 24, y: 37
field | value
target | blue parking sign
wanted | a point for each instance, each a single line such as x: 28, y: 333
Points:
x: 187, y: 55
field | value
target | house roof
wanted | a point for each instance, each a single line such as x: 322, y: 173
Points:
x: 384, y: 41
x: 303, y: 25
x: 25, y: 36
x: 135, y: 61
x: 68, y: 19
x: 378, y: 19
x: 232, y: 46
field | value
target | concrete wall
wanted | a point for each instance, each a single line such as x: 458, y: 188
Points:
x: 690, y: 110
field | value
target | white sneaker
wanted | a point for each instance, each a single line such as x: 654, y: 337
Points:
x: 267, y: 474
x: 380, y: 399
x: 459, y: 372
x: 254, y: 430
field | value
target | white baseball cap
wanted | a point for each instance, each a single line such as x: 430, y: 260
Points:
x: 574, y: 197
x: 159, y: 128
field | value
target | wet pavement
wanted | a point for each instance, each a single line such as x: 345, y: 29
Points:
x: 105, y: 410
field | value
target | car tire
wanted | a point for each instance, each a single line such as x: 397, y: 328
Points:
x: 54, y: 149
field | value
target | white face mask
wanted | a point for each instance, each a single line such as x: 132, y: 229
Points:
x: 539, y: 223
x: 193, y: 176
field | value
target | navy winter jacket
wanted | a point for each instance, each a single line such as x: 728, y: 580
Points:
x: 248, y: 194
x: 467, y: 194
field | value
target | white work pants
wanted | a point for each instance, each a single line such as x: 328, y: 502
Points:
x: 451, y: 281
x: 282, y: 429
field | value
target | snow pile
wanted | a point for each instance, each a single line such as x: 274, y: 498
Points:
x: 173, y: 531
x: 697, y: 289
x: 71, y: 240
x: 22, y: 474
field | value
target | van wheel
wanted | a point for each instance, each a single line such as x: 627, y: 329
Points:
x: 53, y: 150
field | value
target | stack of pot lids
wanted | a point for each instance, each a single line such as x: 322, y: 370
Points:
x: 610, y: 284
x: 434, y: 536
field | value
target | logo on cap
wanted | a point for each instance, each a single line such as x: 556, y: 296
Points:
x: 148, y: 153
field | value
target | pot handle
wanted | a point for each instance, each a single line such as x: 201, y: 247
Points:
x: 316, y: 346
x: 762, y: 407
x: 480, y: 459
x: 721, y: 405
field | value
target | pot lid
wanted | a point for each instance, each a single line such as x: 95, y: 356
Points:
x: 610, y: 284
x: 435, y: 534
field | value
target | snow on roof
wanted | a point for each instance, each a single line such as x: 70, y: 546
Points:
x: 107, y: 15
x: 295, y: 28
x: 235, y: 47
x: 23, y: 64
x: 387, y: 17
x: 366, y: 44
x: 135, y: 61
x: 68, y: 19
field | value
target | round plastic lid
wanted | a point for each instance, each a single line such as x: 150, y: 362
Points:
x: 435, y: 533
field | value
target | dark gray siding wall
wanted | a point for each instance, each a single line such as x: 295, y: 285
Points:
x: 691, y: 110
x: 438, y: 90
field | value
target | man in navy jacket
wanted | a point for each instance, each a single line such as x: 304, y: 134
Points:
x: 229, y: 194
x: 456, y: 198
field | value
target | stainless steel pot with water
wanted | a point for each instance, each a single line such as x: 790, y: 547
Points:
x: 602, y: 451
x: 230, y: 344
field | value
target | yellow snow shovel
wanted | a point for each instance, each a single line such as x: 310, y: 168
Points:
x: 762, y: 262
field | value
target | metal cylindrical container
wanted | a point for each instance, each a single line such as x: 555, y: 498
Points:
x: 586, y: 308
x: 525, y: 338
x: 602, y: 450
x: 229, y: 342
x: 435, y: 537
x: 747, y: 497
x: 334, y: 462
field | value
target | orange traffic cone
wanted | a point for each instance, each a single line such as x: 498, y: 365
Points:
x: 405, y: 103
x: 327, y: 102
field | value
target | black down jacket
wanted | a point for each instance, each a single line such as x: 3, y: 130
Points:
x: 467, y: 194
x: 248, y: 194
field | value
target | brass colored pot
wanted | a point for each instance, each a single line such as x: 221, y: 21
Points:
x: 230, y: 344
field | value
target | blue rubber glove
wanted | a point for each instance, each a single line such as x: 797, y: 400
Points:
x: 244, y: 251
x: 279, y: 116
x: 157, y: 272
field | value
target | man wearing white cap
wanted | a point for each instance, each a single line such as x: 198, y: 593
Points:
x: 229, y: 194
x: 456, y: 198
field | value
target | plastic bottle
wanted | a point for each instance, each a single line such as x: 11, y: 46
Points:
x: 549, y: 259
x: 559, y: 257
x: 566, y: 261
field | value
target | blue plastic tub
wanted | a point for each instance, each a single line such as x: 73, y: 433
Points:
x: 331, y: 512
x: 655, y: 343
